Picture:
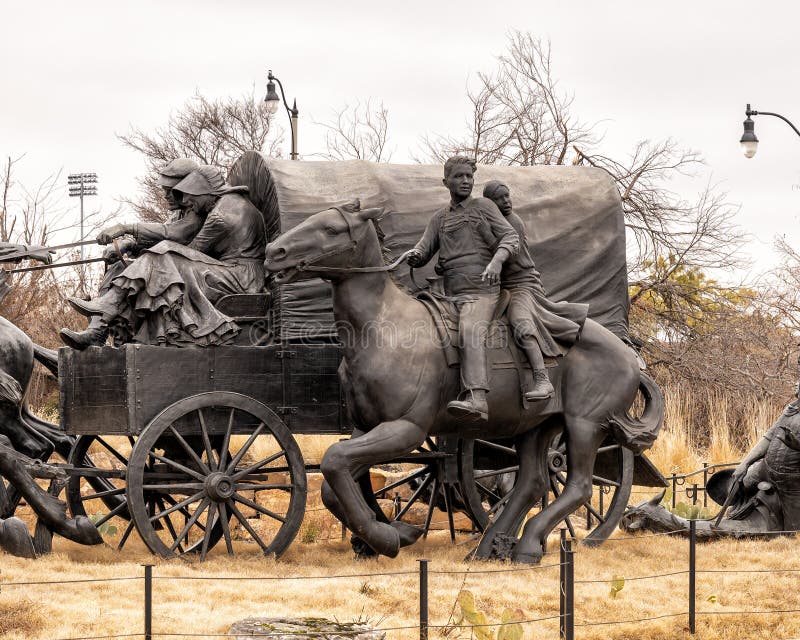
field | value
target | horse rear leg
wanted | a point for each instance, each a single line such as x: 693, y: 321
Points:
x: 345, y: 461
x: 530, y: 486
x: 583, y: 437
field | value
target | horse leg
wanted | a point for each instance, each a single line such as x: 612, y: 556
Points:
x: 530, y: 486
x: 345, y: 461
x: 583, y: 437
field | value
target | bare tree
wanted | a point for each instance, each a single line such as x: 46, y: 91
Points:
x: 518, y: 114
x: 210, y: 131
x: 357, y: 133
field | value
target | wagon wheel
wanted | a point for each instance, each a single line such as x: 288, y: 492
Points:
x: 106, y: 496
x: 413, y: 496
x: 256, y: 481
x: 485, y: 466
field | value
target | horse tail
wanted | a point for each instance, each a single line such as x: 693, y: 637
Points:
x: 10, y: 389
x: 47, y: 357
x: 638, y: 434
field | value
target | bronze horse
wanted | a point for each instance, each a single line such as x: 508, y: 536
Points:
x: 397, y: 389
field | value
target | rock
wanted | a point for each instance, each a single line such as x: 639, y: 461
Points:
x: 299, y: 628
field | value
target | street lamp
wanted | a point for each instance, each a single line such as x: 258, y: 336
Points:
x: 80, y: 185
x: 273, y: 103
x: 749, y: 141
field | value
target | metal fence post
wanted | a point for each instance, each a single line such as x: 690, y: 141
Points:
x: 562, y: 585
x: 674, y: 489
x: 569, y: 595
x: 694, y: 495
x: 423, y: 599
x: 148, y: 602
x: 705, y: 484
x: 692, y: 574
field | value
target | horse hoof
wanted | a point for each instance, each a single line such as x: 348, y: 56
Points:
x: 526, y: 558
x: 409, y: 533
x: 384, y: 539
x: 15, y: 540
x: 362, y: 550
x: 86, y: 532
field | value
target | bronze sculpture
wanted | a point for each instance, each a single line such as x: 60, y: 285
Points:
x: 540, y: 327
x: 759, y: 497
x: 167, y: 295
x: 181, y: 228
x: 473, y: 242
x: 395, y: 391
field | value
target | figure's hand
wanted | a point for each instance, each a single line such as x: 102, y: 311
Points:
x: 739, y: 473
x: 491, y: 273
x: 114, y: 231
x: 414, y: 259
x: 41, y: 254
x: 110, y: 253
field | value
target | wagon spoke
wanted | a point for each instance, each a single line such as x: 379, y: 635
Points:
x: 262, y: 487
x: 500, y: 503
x: 237, y: 458
x: 594, y: 511
x: 608, y: 447
x: 168, y: 522
x: 226, y: 529
x: 605, y: 481
x: 170, y: 500
x: 498, y: 472
x: 415, y: 496
x: 258, y: 507
x: 187, y: 447
x: 126, y: 535
x: 405, y: 480
x: 258, y: 465
x: 497, y: 447
x: 103, y: 494
x: 189, y: 523
x: 488, y: 493
x: 207, y: 442
x: 570, y: 527
x: 240, y: 517
x: 170, y: 486
x: 212, y: 510
x: 177, y: 465
x: 223, y: 455
x: 112, y: 451
x: 177, y: 506
x: 431, y: 445
x: 114, y: 512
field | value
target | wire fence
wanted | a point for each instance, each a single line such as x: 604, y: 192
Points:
x: 568, y: 615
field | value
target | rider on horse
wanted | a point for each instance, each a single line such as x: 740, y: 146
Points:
x: 474, y: 241
x: 540, y: 326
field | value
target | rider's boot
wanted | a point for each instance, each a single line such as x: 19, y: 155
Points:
x: 472, y: 406
x: 542, y: 387
x: 106, y: 306
x: 95, y: 335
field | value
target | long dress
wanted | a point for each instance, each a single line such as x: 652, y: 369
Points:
x: 556, y: 326
x: 170, y: 290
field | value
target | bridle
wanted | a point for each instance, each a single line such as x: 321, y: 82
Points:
x: 311, y: 264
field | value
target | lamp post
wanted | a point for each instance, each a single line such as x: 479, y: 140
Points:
x: 273, y: 102
x: 80, y: 185
x: 749, y: 140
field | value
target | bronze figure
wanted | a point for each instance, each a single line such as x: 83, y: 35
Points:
x: 181, y: 228
x: 473, y: 241
x: 395, y: 391
x: 167, y: 295
x: 540, y: 327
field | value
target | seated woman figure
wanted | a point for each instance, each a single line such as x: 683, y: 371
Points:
x: 540, y: 326
x: 167, y: 295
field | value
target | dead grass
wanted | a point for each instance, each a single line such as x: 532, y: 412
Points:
x: 209, y: 604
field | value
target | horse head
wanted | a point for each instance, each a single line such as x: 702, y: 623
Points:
x: 325, y: 245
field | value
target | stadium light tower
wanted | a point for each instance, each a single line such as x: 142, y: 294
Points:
x: 80, y: 185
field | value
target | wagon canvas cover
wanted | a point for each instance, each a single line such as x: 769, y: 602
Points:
x: 573, y: 219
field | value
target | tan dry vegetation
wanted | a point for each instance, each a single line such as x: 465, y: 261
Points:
x: 208, y: 604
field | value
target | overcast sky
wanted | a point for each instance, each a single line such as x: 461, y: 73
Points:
x: 77, y: 74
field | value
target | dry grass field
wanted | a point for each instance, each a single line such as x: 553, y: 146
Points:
x: 200, y: 599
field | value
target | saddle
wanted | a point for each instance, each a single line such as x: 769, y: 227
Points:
x: 502, y: 350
